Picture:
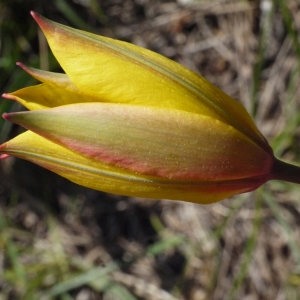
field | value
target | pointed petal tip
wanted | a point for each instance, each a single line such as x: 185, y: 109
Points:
x: 3, y: 156
x: 37, y: 17
x: 9, y: 96
x: 10, y: 117
x: 42, y: 22
x: 5, y: 116
x: 22, y: 66
x: 25, y: 68
x: 34, y: 14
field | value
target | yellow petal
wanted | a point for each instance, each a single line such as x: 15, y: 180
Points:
x: 57, y: 90
x: 95, y: 175
x: 54, y: 79
x: 119, y: 72
x: 152, y: 141
x: 45, y: 96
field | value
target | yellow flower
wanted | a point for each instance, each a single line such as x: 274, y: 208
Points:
x: 129, y: 121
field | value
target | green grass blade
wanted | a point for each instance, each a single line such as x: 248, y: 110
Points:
x: 277, y: 211
x: 82, y: 279
x: 249, y: 249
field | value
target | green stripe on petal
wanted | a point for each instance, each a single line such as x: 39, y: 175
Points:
x: 151, y: 141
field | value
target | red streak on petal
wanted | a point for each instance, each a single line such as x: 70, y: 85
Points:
x: 110, y: 157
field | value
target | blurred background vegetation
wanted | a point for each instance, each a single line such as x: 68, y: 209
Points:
x: 62, y: 241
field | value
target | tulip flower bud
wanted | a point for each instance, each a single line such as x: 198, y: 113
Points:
x: 129, y: 121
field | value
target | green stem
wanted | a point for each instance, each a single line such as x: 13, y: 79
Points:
x: 286, y: 172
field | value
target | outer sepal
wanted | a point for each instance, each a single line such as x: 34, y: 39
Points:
x: 96, y: 175
x: 164, y: 143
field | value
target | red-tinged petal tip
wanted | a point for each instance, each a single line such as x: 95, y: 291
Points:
x: 24, y: 67
x: 19, y: 64
x: 32, y: 13
x: 3, y: 156
x: 37, y: 17
x: 9, y: 96
x: 5, y: 116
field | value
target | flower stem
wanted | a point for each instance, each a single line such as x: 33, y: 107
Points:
x: 286, y: 172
